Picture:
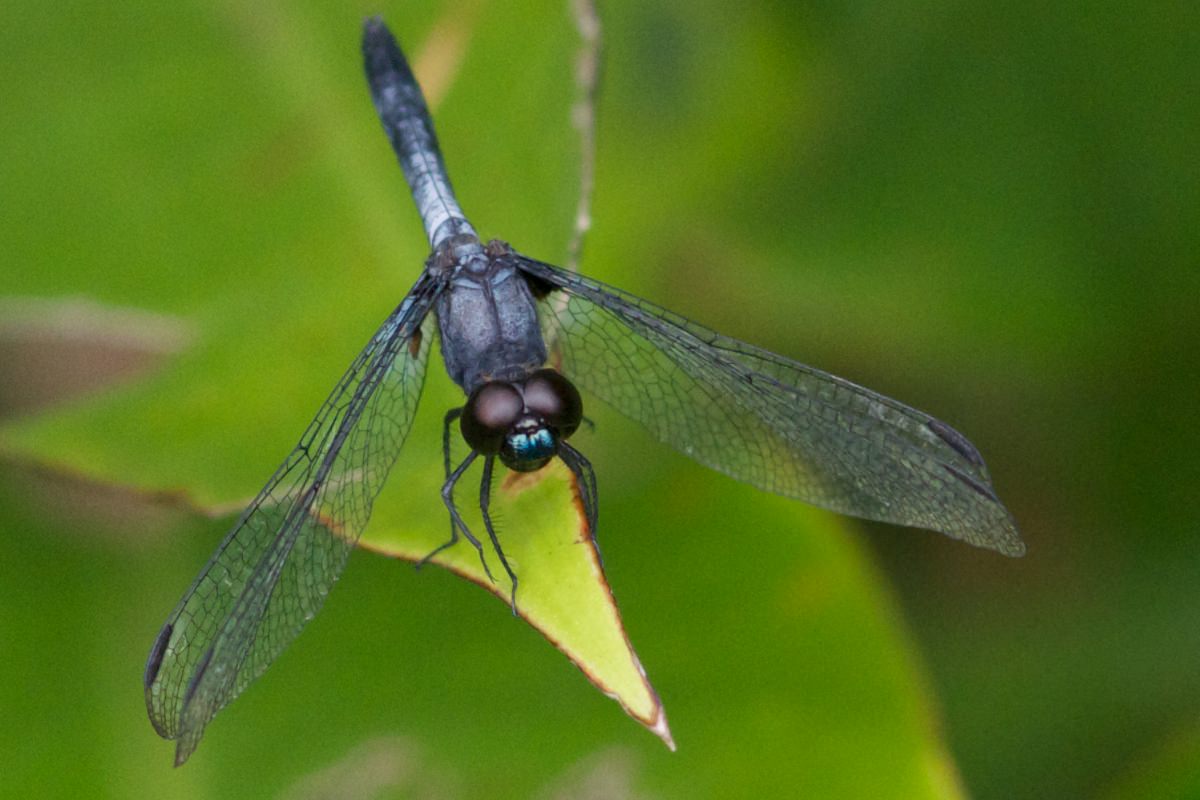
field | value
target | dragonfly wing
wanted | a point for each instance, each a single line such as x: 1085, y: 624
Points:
x: 772, y: 422
x: 271, y: 573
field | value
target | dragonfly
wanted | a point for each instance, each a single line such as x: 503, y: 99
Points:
x: 519, y: 336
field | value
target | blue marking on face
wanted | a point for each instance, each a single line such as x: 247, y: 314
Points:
x: 532, y: 446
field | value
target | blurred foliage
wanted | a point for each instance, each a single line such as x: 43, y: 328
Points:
x: 988, y: 212
x: 1172, y: 771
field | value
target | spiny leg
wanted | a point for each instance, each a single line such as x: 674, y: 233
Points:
x: 451, y: 415
x: 581, y: 468
x: 456, y: 518
x: 485, y: 499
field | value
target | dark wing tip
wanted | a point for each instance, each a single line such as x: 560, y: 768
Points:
x: 197, y: 676
x: 153, y: 665
x: 956, y: 441
x: 190, y: 732
x: 972, y: 483
x: 154, y: 661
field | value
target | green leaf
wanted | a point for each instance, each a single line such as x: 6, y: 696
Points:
x: 562, y: 588
x: 234, y: 183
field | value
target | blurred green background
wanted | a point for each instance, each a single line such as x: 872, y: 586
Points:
x: 987, y: 212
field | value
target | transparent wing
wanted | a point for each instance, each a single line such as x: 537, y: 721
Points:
x: 777, y: 424
x: 272, y: 572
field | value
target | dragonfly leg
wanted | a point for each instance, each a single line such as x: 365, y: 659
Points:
x: 456, y: 518
x: 451, y: 415
x: 581, y: 468
x: 485, y: 498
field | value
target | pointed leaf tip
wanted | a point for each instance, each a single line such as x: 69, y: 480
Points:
x: 562, y: 592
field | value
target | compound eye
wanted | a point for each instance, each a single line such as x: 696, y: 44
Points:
x: 555, y: 399
x: 490, y: 411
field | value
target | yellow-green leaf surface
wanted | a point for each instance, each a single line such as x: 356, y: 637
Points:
x: 562, y: 588
x: 213, y: 182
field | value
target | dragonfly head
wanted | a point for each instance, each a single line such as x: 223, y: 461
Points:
x: 522, y: 422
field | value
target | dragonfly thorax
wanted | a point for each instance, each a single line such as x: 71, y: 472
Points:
x: 522, y: 422
x: 487, y: 315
